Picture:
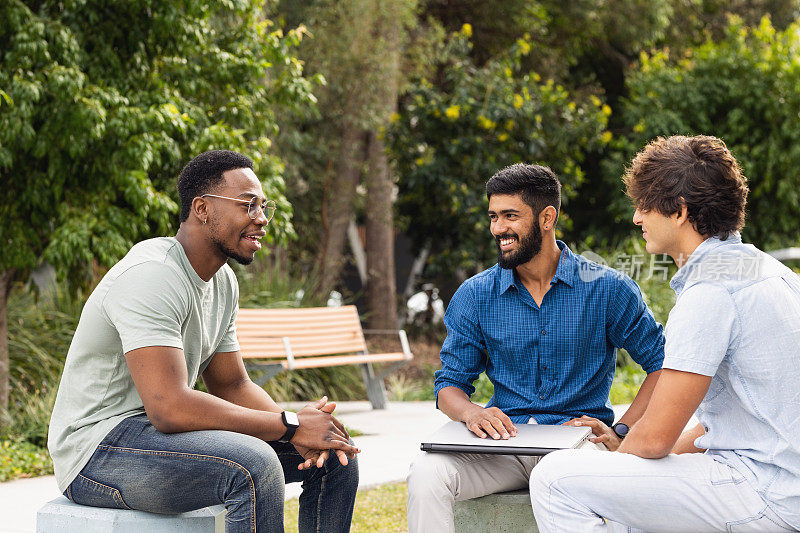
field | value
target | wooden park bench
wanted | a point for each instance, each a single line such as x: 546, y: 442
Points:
x: 274, y: 340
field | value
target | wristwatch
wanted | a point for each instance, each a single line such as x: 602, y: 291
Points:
x: 620, y: 429
x: 291, y: 422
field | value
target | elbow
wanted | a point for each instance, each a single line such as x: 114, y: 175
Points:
x: 656, y: 449
x: 165, y: 416
x: 163, y: 424
x: 647, y: 448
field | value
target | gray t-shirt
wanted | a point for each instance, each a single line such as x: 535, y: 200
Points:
x: 152, y: 297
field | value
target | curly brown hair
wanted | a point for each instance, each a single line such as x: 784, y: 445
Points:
x: 699, y: 172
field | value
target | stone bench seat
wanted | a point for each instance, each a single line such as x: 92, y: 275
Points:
x: 504, y: 512
x: 63, y: 516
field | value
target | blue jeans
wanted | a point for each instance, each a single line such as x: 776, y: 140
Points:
x: 138, y: 467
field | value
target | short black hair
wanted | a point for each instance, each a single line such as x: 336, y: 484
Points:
x: 204, y: 172
x: 538, y: 185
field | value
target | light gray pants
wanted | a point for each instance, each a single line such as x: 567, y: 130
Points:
x: 583, y: 490
x: 437, y: 480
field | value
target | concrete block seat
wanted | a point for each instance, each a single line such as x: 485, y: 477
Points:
x: 63, y: 516
x: 504, y: 512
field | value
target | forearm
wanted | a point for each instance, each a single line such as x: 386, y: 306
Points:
x: 675, y: 398
x: 247, y: 394
x: 642, y: 399
x: 455, y: 403
x: 193, y: 410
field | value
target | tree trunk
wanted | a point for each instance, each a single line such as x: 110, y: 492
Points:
x: 337, y: 205
x: 5, y: 288
x: 381, y: 287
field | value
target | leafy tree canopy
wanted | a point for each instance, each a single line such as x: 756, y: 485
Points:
x: 101, y: 104
x: 449, y: 138
x: 742, y: 89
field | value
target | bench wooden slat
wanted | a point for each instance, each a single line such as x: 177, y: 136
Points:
x: 253, y: 348
x: 340, y: 360
x: 309, y: 313
x: 295, y: 329
x: 316, y: 337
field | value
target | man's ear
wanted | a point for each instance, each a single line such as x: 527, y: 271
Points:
x: 548, y: 217
x: 200, y: 209
x: 682, y: 216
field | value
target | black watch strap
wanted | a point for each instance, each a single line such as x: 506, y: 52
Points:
x: 292, y: 423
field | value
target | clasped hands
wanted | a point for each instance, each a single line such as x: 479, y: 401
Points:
x: 319, y: 434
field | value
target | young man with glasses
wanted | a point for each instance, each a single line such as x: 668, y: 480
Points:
x: 731, y: 357
x: 128, y: 429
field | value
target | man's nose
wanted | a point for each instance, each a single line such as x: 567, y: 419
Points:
x: 637, y: 217
x: 498, y: 227
x: 261, y: 217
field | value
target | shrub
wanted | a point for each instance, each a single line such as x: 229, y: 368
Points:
x: 19, y: 458
x: 743, y: 90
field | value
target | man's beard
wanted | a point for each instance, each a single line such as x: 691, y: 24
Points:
x: 529, y: 245
x: 229, y: 252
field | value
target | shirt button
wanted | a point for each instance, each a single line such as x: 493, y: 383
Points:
x: 541, y: 396
x: 544, y: 367
x: 544, y: 332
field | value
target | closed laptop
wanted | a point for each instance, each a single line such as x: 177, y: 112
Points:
x: 531, y: 439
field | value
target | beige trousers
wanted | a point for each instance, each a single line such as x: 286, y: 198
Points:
x: 437, y: 480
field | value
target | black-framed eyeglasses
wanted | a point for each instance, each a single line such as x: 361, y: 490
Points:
x: 267, y: 207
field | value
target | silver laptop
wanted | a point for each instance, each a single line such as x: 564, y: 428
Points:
x: 531, y: 439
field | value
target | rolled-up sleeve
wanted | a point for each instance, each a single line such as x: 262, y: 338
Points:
x: 632, y: 326
x: 463, y: 352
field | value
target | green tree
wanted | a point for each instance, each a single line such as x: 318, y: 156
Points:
x: 103, y: 103
x: 743, y: 90
x: 591, y: 47
x: 342, y: 173
x: 449, y: 138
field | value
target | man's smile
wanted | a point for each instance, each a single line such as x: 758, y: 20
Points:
x: 253, y: 239
x: 506, y: 242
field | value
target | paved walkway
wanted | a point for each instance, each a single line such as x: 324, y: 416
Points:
x: 389, y: 442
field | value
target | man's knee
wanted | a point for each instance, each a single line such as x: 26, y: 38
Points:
x: 552, y: 467
x: 566, y: 473
x: 255, y: 463
x: 430, y: 473
x: 348, y: 474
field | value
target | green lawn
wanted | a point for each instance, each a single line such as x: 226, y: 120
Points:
x: 379, y: 509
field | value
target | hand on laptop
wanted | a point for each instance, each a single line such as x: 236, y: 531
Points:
x: 602, y: 433
x: 490, y: 422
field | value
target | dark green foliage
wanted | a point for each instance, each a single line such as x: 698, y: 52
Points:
x: 105, y: 102
x: 744, y: 90
x: 40, y: 331
x: 450, y: 138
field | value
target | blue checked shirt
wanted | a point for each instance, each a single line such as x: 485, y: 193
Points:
x: 551, y: 362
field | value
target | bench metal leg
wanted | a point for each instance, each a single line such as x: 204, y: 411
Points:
x: 270, y: 371
x: 376, y: 392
